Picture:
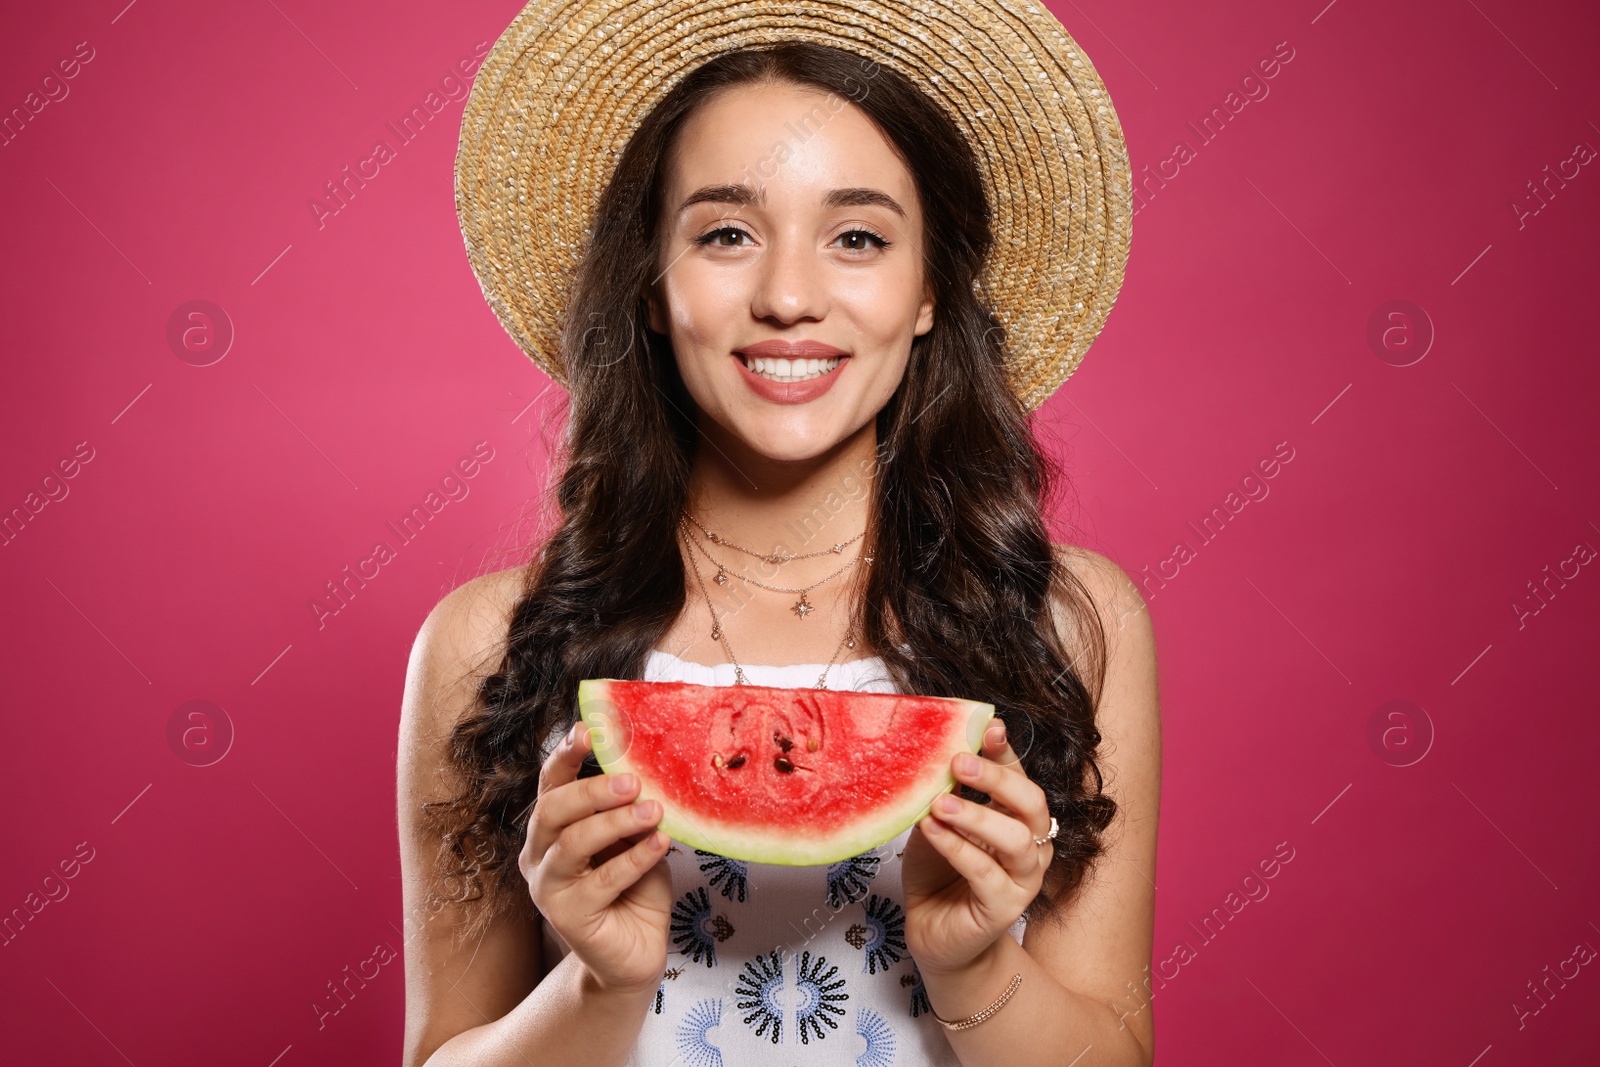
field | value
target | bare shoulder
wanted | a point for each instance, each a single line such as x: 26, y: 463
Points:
x: 1114, y: 594
x: 460, y: 642
x: 1124, y: 618
x: 1127, y: 711
x: 473, y: 617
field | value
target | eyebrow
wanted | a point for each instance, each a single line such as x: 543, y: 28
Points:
x: 742, y: 193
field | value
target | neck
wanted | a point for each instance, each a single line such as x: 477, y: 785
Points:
x: 781, y: 506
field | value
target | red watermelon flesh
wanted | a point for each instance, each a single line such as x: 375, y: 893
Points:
x: 788, y: 776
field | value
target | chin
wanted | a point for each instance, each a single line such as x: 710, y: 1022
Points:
x: 795, y: 433
x: 784, y: 445
x: 790, y: 434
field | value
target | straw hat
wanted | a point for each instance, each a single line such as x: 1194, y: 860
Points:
x: 569, y: 81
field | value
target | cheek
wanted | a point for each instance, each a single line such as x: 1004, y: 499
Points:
x: 700, y: 308
x: 886, y: 379
x: 883, y: 304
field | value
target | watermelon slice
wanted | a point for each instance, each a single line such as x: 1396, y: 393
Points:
x: 788, y: 776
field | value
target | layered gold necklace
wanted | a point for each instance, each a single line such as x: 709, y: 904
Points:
x: 802, y: 607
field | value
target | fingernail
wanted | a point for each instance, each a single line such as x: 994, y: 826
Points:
x: 933, y: 827
x: 572, y: 732
x: 967, y: 764
x: 622, y: 783
x: 996, y: 735
x: 947, y: 805
x: 645, y: 810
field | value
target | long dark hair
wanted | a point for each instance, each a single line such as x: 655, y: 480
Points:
x: 966, y: 592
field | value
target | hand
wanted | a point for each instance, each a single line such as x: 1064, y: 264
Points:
x: 970, y: 869
x: 593, y: 864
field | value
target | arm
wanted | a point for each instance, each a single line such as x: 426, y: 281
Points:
x: 483, y: 1002
x: 1082, y: 999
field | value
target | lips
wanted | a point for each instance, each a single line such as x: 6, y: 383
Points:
x: 790, y: 372
x: 792, y: 350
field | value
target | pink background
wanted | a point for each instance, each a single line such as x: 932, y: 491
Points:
x: 1384, y: 563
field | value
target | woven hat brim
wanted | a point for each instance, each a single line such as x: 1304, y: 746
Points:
x: 568, y: 83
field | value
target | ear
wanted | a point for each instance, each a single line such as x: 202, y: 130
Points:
x: 925, y: 315
x: 657, y: 314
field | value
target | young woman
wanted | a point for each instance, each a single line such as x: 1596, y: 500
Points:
x: 784, y: 384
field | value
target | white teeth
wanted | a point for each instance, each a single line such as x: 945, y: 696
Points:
x: 791, y: 370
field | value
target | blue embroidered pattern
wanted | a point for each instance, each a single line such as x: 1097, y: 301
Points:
x: 848, y: 879
x: 816, y: 991
x: 883, y: 936
x: 695, y: 930
x: 758, y: 989
x: 728, y: 876
x: 879, y: 1036
x: 919, y: 992
x: 693, y: 1047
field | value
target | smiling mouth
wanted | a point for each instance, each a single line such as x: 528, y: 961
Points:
x: 789, y: 370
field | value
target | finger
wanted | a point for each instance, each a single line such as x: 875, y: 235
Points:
x: 1003, y: 836
x: 982, y: 871
x: 997, y: 749
x: 613, y: 877
x: 1009, y: 787
x: 561, y: 766
x: 566, y: 804
x: 570, y: 855
x: 620, y: 846
x: 997, y: 746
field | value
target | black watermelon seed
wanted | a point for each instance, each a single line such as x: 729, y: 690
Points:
x: 736, y: 762
x: 783, y: 765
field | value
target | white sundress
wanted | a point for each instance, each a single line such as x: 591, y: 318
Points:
x: 786, y: 965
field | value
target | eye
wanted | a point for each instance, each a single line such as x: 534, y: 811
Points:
x: 711, y: 236
x: 861, y: 233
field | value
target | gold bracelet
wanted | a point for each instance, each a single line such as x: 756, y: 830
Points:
x: 973, y: 1020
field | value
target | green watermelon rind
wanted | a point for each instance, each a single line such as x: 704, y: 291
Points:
x: 758, y: 845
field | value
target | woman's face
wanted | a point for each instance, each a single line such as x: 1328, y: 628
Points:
x: 792, y: 227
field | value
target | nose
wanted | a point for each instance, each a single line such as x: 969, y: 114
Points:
x: 789, y: 284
